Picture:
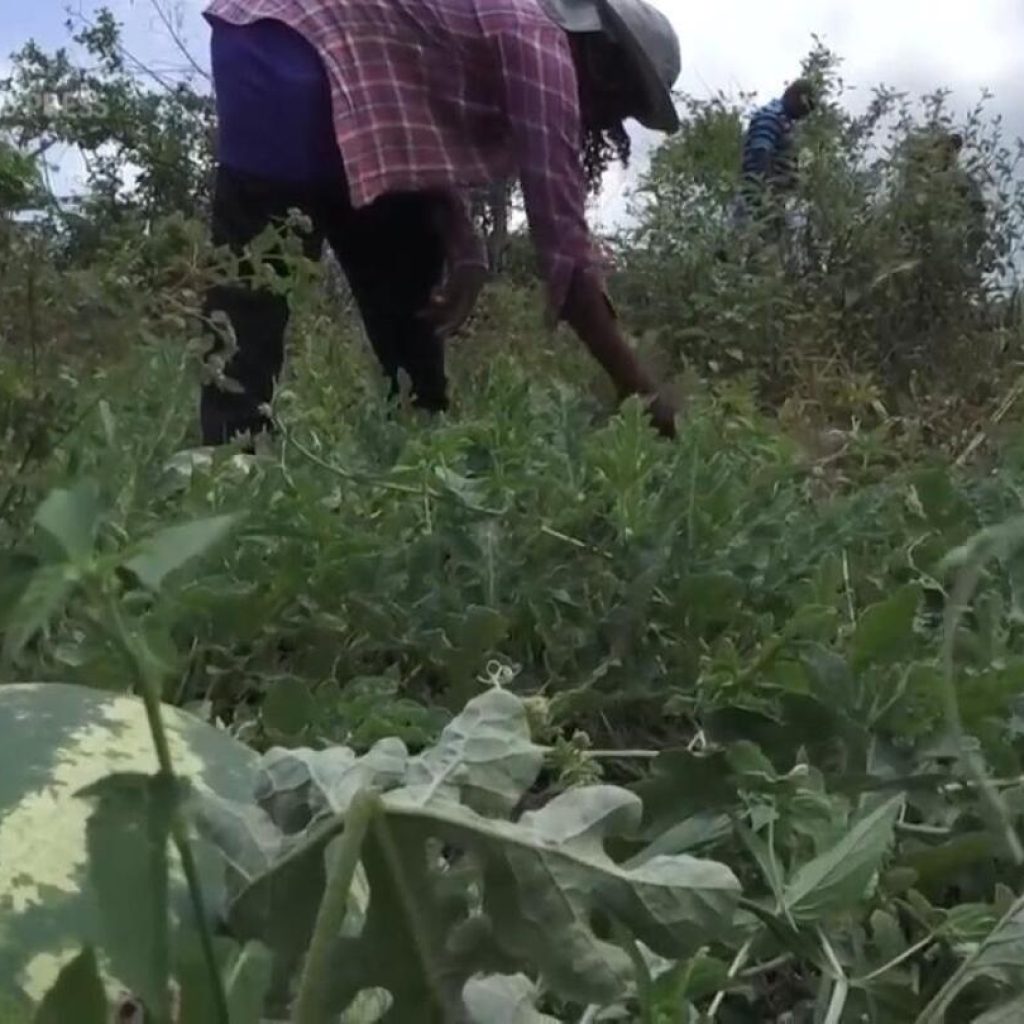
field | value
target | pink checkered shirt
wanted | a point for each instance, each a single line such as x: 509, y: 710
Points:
x: 446, y: 94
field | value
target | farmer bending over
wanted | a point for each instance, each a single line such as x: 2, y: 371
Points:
x: 372, y: 117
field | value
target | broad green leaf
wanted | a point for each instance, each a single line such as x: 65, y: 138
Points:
x: 940, y: 865
x: 127, y: 837
x: 764, y: 854
x: 1002, y: 951
x: 998, y: 956
x: 839, y: 878
x: 403, y: 942
x: 485, y: 755
x: 543, y: 879
x: 683, y: 783
x: 16, y: 570
x: 56, y: 740
x: 77, y: 995
x: 299, y: 786
x: 1009, y: 1013
x: 546, y: 875
x: 72, y: 518
x: 885, y: 630
x: 690, y: 834
x: 279, y: 908
x: 41, y: 600
x: 243, y: 834
x: 503, y: 999
x: 969, y: 922
x: 288, y: 708
x: 165, y: 552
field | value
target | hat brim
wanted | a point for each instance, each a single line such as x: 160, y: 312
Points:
x: 660, y: 112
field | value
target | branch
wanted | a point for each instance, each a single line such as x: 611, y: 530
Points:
x: 176, y: 38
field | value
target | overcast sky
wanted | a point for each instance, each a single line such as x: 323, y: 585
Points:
x: 730, y: 45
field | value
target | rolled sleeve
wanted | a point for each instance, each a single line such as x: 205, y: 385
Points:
x: 542, y: 106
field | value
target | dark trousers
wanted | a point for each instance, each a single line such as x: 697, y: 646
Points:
x: 391, y: 253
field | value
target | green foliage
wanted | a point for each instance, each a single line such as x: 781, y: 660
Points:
x: 552, y: 720
x: 78, y: 993
x: 884, y: 271
x: 18, y: 178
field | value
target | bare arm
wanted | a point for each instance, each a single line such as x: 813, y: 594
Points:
x: 590, y: 314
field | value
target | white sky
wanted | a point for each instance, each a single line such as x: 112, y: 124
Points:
x: 730, y: 45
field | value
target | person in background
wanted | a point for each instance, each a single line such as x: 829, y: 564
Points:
x: 374, y: 119
x: 968, y: 190
x: 943, y: 204
x: 769, y: 156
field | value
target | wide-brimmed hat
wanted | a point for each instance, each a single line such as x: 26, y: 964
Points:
x: 648, y: 40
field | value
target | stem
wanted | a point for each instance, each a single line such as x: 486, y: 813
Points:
x: 179, y: 831
x: 841, y: 989
x: 768, y: 966
x: 644, y: 981
x: 419, y: 930
x: 935, y: 1011
x: 625, y: 755
x: 737, y: 965
x: 904, y: 956
x: 371, y: 480
x: 964, y: 589
x: 840, y: 993
x: 309, y: 1005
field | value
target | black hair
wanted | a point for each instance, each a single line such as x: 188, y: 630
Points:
x: 602, y: 146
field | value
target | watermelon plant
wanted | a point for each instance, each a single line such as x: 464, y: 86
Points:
x: 798, y: 850
x: 520, y: 713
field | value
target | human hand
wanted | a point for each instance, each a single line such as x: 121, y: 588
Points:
x: 663, y: 411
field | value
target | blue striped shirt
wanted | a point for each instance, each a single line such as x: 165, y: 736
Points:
x: 767, y: 144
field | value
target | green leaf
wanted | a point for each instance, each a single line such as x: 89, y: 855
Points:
x: 72, y: 518
x: 288, y: 708
x: 763, y: 853
x: 77, y: 995
x: 887, y: 935
x: 279, y: 907
x: 127, y: 836
x: 40, y: 602
x: 403, y: 942
x: 1009, y: 1013
x: 54, y: 741
x: 548, y: 874
x: 503, y: 999
x: 940, y: 865
x: 485, y: 756
x: 1002, y: 952
x: 838, y: 879
x: 167, y: 551
x: 300, y: 786
x: 884, y: 630
x: 683, y: 783
x: 543, y: 880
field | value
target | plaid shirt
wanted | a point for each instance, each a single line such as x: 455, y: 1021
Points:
x: 448, y: 94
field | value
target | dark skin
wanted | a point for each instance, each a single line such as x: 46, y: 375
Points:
x: 798, y: 101
x: 606, y: 100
